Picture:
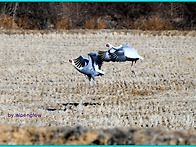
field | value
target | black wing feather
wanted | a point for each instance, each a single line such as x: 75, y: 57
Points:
x: 80, y: 61
x: 96, y: 59
x: 118, y: 56
x: 102, y: 55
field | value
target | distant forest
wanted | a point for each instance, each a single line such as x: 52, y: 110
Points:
x: 98, y: 15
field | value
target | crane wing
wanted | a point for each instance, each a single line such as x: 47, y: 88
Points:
x: 118, y: 56
x: 81, y: 61
x: 131, y: 52
x: 104, y: 56
x: 96, y: 60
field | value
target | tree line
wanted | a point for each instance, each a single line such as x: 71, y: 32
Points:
x: 98, y: 15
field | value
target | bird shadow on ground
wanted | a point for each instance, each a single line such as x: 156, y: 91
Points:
x: 71, y: 105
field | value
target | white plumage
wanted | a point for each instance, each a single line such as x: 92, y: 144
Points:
x: 129, y: 52
x: 90, y: 66
x: 120, y: 54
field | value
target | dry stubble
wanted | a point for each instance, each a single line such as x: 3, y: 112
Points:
x: 35, y: 79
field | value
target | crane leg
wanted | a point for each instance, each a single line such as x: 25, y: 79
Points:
x: 133, y: 65
x: 95, y: 85
x: 89, y: 89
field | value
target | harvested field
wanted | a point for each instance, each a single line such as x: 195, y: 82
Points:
x: 34, y: 78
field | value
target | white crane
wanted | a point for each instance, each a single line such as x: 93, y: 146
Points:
x: 90, y: 66
x: 120, y: 54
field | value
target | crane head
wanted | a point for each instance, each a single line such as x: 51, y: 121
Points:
x: 70, y: 60
x: 109, y: 45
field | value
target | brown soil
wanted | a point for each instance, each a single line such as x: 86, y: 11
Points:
x: 12, y: 135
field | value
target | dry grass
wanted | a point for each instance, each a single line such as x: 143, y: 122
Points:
x: 101, y: 24
x: 154, y: 22
x: 90, y: 24
x: 63, y: 24
x: 7, y: 21
x: 22, y: 23
x: 35, y: 79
